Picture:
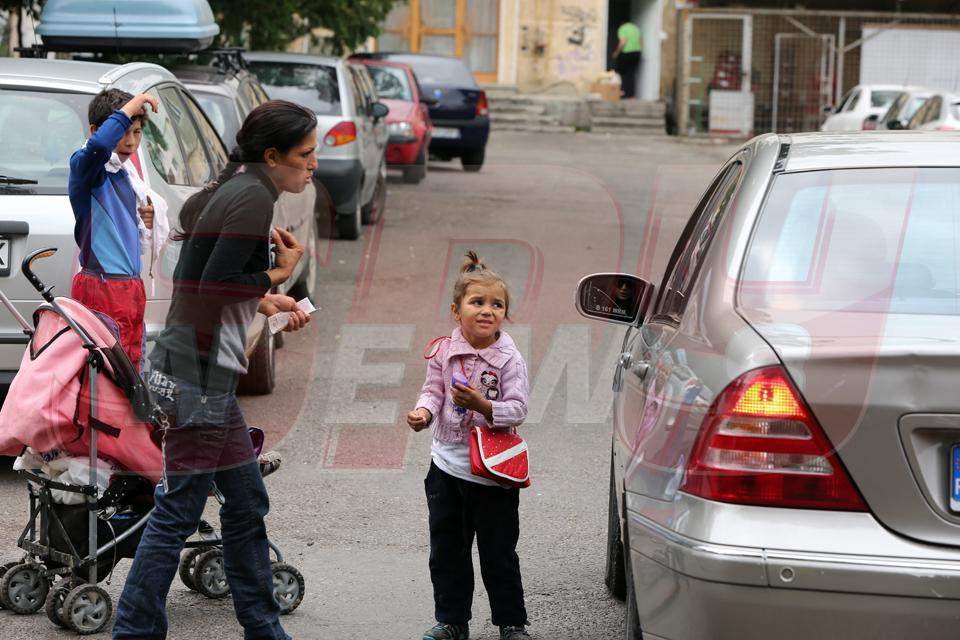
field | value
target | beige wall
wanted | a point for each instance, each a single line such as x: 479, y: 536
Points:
x: 549, y: 42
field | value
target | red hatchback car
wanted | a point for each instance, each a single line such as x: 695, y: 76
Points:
x: 408, y: 122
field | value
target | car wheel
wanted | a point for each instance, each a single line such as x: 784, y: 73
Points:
x: 633, y: 614
x: 416, y: 172
x: 374, y: 209
x: 349, y: 227
x: 473, y: 160
x: 615, y: 578
x: 261, y: 376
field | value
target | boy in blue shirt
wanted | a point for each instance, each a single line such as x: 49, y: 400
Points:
x: 105, y: 207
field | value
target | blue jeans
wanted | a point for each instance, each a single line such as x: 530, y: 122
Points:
x: 209, y: 443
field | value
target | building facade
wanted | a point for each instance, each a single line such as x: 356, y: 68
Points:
x: 530, y: 44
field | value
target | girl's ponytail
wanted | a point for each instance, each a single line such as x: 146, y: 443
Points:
x: 472, y: 263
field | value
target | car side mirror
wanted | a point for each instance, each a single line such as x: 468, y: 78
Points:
x: 614, y: 297
x: 379, y: 110
x: 828, y: 110
x: 430, y: 101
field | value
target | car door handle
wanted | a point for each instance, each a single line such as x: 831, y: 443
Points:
x: 640, y: 370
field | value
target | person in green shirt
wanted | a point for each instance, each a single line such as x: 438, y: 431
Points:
x: 627, y: 57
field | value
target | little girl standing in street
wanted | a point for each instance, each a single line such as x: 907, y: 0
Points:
x: 461, y: 504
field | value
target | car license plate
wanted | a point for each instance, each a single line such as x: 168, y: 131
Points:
x: 447, y: 133
x: 4, y: 256
x: 955, y: 478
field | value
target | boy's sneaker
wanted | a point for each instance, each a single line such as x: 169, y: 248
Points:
x: 514, y: 633
x: 444, y: 631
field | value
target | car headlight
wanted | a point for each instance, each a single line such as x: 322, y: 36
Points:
x: 400, y: 131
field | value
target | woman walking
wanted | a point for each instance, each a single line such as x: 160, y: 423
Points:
x: 221, y: 280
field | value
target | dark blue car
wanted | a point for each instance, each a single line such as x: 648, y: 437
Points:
x: 458, y: 106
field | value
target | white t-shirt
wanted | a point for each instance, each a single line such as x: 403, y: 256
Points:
x: 454, y: 458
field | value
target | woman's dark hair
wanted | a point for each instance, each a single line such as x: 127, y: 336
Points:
x: 277, y: 124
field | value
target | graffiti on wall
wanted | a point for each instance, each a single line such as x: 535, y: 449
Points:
x: 576, y: 56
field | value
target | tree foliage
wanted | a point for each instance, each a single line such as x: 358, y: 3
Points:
x: 272, y: 24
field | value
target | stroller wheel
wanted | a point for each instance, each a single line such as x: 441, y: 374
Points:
x: 87, y: 609
x: 53, y: 607
x: 288, y: 586
x: 188, y: 567
x: 24, y: 589
x: 3, y: 570
x: 210, y: 576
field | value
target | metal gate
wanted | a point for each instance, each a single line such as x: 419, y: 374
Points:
x: 803, y: 69
x: 716, y: 94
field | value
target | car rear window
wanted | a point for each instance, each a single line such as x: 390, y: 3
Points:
x: 867, y: 240
x: 315, y: 86
x: 391, y: 83
x: 443, y: 71
x: 882, y: 99
x: 39, y: 131
x: 222, y: 113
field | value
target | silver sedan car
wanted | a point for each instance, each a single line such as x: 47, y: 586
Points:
x: 786, y: 444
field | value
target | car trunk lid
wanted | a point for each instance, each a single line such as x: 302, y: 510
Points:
x: 453, y: 103
x: 883, y: 387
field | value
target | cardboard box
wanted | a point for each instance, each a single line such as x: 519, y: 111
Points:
x: 609, y: 91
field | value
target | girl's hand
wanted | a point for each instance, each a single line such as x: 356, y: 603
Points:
x: 467, y: 397
x: 419, y: 419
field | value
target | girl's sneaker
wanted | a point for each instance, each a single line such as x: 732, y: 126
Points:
x: 514, y: 633
x: 444, y: 631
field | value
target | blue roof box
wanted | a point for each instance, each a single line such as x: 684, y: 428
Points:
x: 129, y: 26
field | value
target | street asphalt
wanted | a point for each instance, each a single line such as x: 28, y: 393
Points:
x: 348, y: 507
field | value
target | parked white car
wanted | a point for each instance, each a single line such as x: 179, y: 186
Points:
x: 43, y: 120
x: 941, y: 112
x: 860, y: 104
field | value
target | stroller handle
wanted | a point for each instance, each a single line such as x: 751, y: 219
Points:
x: 27, y: 268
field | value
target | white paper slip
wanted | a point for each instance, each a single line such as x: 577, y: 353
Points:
x: 278, y: 321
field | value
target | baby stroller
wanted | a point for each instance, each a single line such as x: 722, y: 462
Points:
x: 77, y: 396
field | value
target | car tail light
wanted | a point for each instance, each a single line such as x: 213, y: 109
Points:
x: 343, y: 133
x: 760, y: 445
x: 483, y: 107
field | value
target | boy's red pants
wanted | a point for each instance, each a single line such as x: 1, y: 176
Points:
x: 123, y: 299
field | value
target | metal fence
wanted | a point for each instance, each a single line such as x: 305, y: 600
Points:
x: 750, y: 71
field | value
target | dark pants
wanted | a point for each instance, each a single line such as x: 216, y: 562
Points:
x: 627, y: 65
x: 460, y: 509
x: 213, y: 445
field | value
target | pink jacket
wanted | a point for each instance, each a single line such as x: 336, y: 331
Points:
x: 498, y: 372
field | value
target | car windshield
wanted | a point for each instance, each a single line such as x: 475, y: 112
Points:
x: 222, y: 112
x: 391, y: 83
x: 882, y: 99
x: 313, y: 85
x: 442, y: 71
x: 860, y: 240
x: 39, y: 131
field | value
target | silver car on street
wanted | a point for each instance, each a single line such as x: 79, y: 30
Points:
x: 786, y: 444
x: 352, y: 130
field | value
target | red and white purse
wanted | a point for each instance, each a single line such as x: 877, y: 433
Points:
x: 500, y: 456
